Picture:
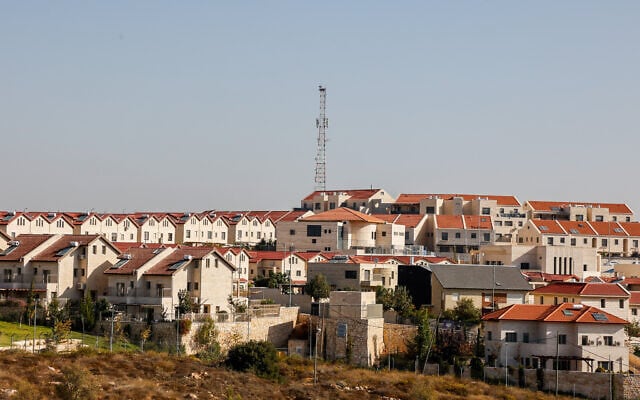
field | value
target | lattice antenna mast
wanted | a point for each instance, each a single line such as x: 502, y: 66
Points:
x: 322, y: 122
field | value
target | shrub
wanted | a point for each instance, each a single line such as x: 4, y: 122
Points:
x: 260, y: 357
x: 77, y: 383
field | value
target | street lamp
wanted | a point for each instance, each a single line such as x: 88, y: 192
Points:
x: 315, y: 359
x: 506, y: 365
x: 111, y: 335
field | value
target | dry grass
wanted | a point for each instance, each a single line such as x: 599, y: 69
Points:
x: 159, y: 376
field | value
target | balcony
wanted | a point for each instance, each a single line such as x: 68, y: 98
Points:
x: 25, y: 282
x: 376, y: 280
x: 125, y: 295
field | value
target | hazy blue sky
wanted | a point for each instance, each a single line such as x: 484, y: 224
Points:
x: 154, y: 105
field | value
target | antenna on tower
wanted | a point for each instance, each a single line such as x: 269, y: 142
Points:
x: 322, y: 122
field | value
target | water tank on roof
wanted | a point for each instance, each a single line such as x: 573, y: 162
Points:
x: 187, y: 257
x: 74, y: 244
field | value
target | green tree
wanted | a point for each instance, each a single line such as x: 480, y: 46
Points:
x: 465, y: 312
x: 274, y: 280
x: 402, y: 302
x: 423, y: 340
x: 385, y: 297
x: 205, y: 341
x: 88, y: 312
x: 260, y: 357
x: 185, y: 302
x: 318, y: 287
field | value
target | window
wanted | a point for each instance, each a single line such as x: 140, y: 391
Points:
x: 585, y: 340
x: 562, y: 339
x: 621, y: 303
x: 298, y: 273
x: 525, y: 337
x: 188, y: 233
x: 146, y: 236
x: 114, y: 237
x: 332, y: 206
x: 634, y: 311
x: 508, y: 223
x: 316, y: 206
x: 608, y: 340
x: 599, y: 218
x: 584, y: 267
x: 384, y: 234
x: 104, y: 249
x: 604, y: 242
x: 94, y: 249
x: 445, y: 236
x: 487, y: 237
x: 314, y: 230
x: 489, y: 335
x: 550, y: 241
x: 603, y: 303
x: 170, y: 237
x: 541, y: 300
x: 511, y: 337
x: 486, y: 211
x: 292, y: 232
x: 457, y: 235
x: 60, y: 223
x: 474, y: 235
x: 350, y: 274
x: 573, y: 241
x: 430, y: 210
x: 561, y: 240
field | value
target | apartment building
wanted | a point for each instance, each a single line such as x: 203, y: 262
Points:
x: 16, y: 223
x: 578, y: 211
x: 506, y: 212
x: 368, y: 201
x: 415, y: 228
x: 265, y: 263
x: 459, y: 236
x: 240, y: 259
x: 340, y: 230
x: 355, y: 273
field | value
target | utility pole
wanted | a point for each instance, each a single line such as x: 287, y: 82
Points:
x: 322, y: 122
x: 506, y: 365
x: 315, y: 359
x: 35, y: 318
x: 557, y: 361
x: 178, y: 330
x: 111, y: 336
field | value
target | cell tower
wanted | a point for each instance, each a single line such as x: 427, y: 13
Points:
x: 322, y: 122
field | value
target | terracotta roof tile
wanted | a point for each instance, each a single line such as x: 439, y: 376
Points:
x: 635, y: 298
x: 565, y: 312
x: 139, y: 257
x: 27, y: 243
x: 51, y: 253
x: 608, y: 228
x: 163, y: 267
x: 583, y: 289
x: 449, y: 221
x: 343, y: 214
x: 548, y: 227
x: 577, y: 227
x: 548, y: 206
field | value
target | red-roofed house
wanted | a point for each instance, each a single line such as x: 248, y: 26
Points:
x: 611, y: 297
x: 265, y: 263
x: 567, y: 336
x: 150, y: 285
x: 634, y: 306
x: 364, y: 200
x: 239, y: 258
x: 341, y: 229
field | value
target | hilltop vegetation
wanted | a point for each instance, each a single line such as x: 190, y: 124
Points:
x: 150, y: 375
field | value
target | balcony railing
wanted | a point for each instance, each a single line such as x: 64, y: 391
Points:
x: 16, y: 281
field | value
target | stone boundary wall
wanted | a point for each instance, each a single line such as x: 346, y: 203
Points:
x: 274, y: 329
x: 591, y: 385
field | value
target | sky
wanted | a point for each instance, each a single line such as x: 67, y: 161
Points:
x: 186, y: 106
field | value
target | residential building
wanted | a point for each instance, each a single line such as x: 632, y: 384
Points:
x: 459, y: 236
x: 557, y: 260
x: 489, y: 287
x: 566, y: 336
x: 368, y: 201
x: 415, y: 229
x: 610, y: 297
x: 578, y: 211
x: 265, y: 263
x: 56, y: 266
x: 240, y: 259
x: 355, y: 273
x: 200, y: 271
x: 341, y: 229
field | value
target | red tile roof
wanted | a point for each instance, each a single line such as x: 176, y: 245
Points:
x: 614, y: 208
x: 635, y: 298
x: 477, y: 222
x: 343, y: 214
x: 632, y: 228
x: 408, y: 220
x: 544, y: 277
x: 608, y: 228
x: 548, y: 227
x: 163, y: 267
x: 139, y: 257
x: 51, y: 252
x: 28, y: 243
x: 449, y: 221
x: 583, y: 289
x: 577, y: 227
x: 565, y: 312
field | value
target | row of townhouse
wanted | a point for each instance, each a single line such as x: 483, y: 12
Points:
x: 210, y: 227
x: 144, y: 281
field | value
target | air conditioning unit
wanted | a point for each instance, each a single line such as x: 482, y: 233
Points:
x: 81, y: 286
x: 74, y: 244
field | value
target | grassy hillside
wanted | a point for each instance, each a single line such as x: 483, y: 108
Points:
x: 89, y: 374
